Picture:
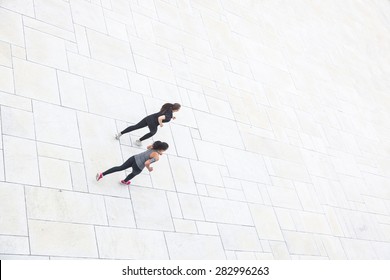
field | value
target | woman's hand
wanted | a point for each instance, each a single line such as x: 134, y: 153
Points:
x: 149, y: 168
x: 161, y: 125
x: 174, y: 118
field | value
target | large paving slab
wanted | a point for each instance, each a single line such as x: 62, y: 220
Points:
x: 53, y: 239
x: 190, y: 246
x: 20, y: 160
x: 280, y: 150
x: 151, y: 209
x: 65, y: 206
x: 120, y: 243
x: 13, y: 210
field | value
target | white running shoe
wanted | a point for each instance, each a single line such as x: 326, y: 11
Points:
x: 138, y: 142
x: 117, y: 136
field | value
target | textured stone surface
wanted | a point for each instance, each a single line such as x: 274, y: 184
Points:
x: 17, y: 123
x: 6, y: 79
x: 119, y: 212
x: 266, y: 222
x: 13, y: 245
x: 182, y: 175
x: 13, y: 210
x: 35, y: 81
x: 20, y: 161
x: 151, y: 209
x: 46, y: 49
x: 56, y: 125
x: 280, y: 149
x: 65, y: 206
x: 119, y: 243
x: 190, y: 246
x: 53, y: 238
x: 239, y: 238
x: 55, y: 173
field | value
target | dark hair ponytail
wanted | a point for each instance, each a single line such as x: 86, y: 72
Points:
x: 158, y: 145
x: 169, y: 106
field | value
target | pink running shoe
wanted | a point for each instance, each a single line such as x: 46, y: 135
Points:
x: 99, y: 176
x: 123, y: 182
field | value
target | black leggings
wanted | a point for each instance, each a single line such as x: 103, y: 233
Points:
x: 143, y: 123
x: 127, y: 164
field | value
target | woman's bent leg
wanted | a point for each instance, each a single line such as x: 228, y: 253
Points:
x: 153, y: 130
x: 139, y: 125
x: 134, y: 173
x: 127, y: 164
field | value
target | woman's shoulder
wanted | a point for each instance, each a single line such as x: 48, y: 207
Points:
x: 154, y: 154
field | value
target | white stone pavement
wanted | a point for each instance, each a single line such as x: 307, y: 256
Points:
x: 281, y: 149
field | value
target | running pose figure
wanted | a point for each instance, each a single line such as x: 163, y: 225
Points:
x: 138, y: 162
x: 153, y: 121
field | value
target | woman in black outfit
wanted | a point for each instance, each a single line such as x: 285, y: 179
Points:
x: 153, y: 121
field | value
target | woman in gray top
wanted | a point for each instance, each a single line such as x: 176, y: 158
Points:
x: 138, y: 162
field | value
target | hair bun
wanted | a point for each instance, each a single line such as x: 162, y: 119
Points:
x: 158, y: 145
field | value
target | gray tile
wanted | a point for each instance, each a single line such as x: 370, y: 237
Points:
x: 191, y: 206
x: 269, y: 229
x: 46, y: 49
x: 72, y: 91
x: 218, y: 130
x: 50, y: 124
x: 25, y: 7
x: 194, y: 247
x: 14, y: 245
x: 54, y: 12
x: 18, y: 123
x: 88, y: 15
x: 120, y: 243
x: 12, y: 210
x: 182, y: 175
x: 12, y: 35
x: 119, y: 212
x: 53, y: 238
x: 114, y: 102
x: 183, y: 141
x: 239, y: 238
x: 97, y: 70
x: 101, y: 47
x: 206, y: 173
x: 245, y: 165
x: 300, y: 243
x: 35, y: 81
x: 5, y: 54
x: 20, y: 161
x: 151, y: 209
x: 65, y: 206
x: 6, y: 79
x: 226, y: 211
x: 185, y: 226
